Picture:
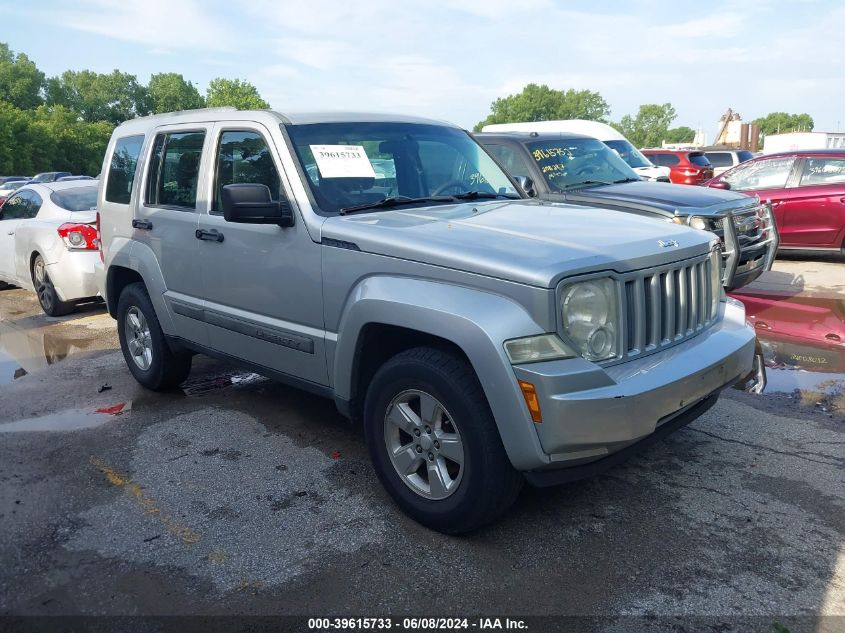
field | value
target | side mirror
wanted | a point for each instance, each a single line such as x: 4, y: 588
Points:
x: 527, y: 185
x: 251, y: 203
x: 719, y: 184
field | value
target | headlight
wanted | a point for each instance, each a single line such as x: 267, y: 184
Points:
x: 590, y: 317
x: 533, y: 349
x: 699, y: 223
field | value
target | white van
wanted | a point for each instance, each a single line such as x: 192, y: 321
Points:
x: 606, y: 134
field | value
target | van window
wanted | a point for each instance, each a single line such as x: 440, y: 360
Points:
x: 122, y: 169
x: 720, y: 159
x: 174, y: 170
x: 244, y: 156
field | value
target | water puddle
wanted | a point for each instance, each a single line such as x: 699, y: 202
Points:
x: 802, y: 340
x: 25, y: 351
x: 71, y: 420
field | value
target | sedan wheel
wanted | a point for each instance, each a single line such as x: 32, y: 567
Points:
x: 46, y: 291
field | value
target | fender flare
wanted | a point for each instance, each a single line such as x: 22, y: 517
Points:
x: 477, y: 321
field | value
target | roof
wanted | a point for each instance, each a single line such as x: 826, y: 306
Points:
x: 824, y: 151
x: 67, y: 184
x: 597, y: 129
x: 532, y: 136
x: 270, y: 116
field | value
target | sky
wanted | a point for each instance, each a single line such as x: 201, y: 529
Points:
x: 449, y: 59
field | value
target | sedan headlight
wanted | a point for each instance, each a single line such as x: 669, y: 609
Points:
x: 590, y: 314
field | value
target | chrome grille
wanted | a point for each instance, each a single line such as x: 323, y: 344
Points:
x: 665, y: 306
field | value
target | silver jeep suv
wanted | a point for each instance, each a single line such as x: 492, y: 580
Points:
x: 388, y: 263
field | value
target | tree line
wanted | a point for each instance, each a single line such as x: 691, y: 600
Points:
x: 649, y: 127
x: 64, y: 123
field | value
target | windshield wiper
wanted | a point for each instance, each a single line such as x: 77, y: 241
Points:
x: 472, y: 195
x: 393, y: 201
x: 617, y: 182
x: 586, y: 183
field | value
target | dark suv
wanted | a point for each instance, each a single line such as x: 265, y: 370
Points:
x: 685, y: 167
x: 582, y: 170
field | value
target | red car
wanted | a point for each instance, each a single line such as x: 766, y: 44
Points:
x: 807, y: 192
x: 685, y: 167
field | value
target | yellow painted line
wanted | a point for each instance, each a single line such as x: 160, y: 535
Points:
x: 148, y: 505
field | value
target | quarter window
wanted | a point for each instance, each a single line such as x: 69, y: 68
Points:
x: 823, y: 171
x: 511, y: 159
x: 122, y: 169
x: 174, y: 170
x: 244, y: 157
x: 760, y: 174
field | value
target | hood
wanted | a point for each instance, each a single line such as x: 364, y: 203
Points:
x: 664, y: 197
x: 524, y: 241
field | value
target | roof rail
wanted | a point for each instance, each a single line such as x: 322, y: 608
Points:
x: 180, y: 112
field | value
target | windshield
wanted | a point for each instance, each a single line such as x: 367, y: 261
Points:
x: 567, y: 163
x: 629, y: 153
x: 76, y: 199
x: 353, y: 164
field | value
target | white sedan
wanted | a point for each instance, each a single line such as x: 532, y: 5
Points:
x: 49, y: 242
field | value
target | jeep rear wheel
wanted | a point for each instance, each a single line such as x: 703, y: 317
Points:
x: 434, y: 443
x: 145, y: 349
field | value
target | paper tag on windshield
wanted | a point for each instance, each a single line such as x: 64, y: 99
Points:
x: 342, y: 161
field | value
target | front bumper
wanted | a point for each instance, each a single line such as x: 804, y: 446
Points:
x: 743, y: 264
x: 590, y: 412
x: 74, y: 275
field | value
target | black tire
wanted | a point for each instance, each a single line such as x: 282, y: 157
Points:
x: 167, y: 369
x: 488, y: 484
x: 46, y: 291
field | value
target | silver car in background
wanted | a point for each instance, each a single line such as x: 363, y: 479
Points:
x: 49, y: 242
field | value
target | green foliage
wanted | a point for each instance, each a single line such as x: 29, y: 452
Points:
x: 170, y: 92
x: 20, y: 79
x: 50, y: 139
x: 113, y: 97
x: 782, y: 122
x: 650, y: 126
x: 681, y: 134
x: 236, y: 93
x: 541, y: 103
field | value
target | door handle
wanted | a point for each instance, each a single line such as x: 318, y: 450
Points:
x: 10, y: 233
x: 144, y: 225
x: 212, y: 235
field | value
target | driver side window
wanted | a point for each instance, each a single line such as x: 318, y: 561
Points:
x: 447, y: 170
x: 772, y: 173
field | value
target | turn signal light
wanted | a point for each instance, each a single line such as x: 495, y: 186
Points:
x: 79, y: 237
x: 531, y: 400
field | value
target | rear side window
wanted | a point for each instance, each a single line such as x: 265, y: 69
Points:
x: 720, y: 159
x: 23, y: 205
x: 174, y: 170
x: 122, y: 169
x: 698, y: 159
x: 77, y: 198
x: 664, y: 160
x: 823, y: 171
x: 244, y: 157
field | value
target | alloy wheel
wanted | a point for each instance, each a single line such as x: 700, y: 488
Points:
x: 138, y: 340
x: 423, y: 444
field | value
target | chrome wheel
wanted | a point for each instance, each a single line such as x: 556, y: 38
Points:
x: 137, y: 334
x: 424, y: 444
x: 42, y: 284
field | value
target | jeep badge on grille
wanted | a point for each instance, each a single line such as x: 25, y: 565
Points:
x: 668, y: 243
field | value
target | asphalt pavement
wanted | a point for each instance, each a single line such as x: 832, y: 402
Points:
x: 238, y: 495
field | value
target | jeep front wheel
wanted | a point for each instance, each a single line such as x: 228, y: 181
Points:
x: 434, y: 443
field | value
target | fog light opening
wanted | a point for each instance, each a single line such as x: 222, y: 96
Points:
x: 531, y: 400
